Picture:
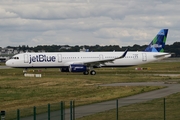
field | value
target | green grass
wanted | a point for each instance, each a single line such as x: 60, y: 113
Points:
x: 151, y: 110
x: 2, y: 63
x: 19, y: 92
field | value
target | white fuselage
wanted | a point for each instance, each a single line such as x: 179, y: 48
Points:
x: 64, y: 59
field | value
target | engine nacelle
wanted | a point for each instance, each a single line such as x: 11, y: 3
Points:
x: 77, y: 68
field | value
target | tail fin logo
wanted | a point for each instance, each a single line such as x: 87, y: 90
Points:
x: 156, y: 46
x: 158, y: 43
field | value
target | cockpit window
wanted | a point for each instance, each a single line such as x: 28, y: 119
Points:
x: 15, y: 57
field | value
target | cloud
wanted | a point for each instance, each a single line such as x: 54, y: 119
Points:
x: 61, y: 10
x: 6, y: 14
x: 73, y: 22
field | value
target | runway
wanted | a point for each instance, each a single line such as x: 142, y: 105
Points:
x: 4, y: 67
x: 104, y: 106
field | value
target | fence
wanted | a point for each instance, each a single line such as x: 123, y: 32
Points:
x: 122, y: 109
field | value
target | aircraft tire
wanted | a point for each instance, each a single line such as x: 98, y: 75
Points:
x: 86, y: 72
x: 93, y: 72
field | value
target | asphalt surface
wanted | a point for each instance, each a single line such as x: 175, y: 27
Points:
x: 4, y: 67
x: 104, y: 106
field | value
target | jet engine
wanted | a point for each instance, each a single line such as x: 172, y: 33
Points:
x: 77, y: 68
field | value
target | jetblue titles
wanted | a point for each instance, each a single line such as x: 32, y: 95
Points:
x: 41, y: 58
x: 156, y: 46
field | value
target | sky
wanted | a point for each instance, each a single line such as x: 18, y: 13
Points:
x: 87, y: 22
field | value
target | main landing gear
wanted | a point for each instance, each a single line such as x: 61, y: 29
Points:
x: 92, y: 72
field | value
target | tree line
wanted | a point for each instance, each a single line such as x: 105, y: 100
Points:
x: 174, y: 48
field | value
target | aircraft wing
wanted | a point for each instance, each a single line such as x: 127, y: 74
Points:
x: 91, y: 63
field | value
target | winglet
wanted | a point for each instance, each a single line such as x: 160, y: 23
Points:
x: 123, y: 55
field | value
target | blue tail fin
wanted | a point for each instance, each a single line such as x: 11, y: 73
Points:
x: 158, y: 43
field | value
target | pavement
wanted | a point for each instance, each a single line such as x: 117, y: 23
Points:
x: 104, y: 106
x: 4, y: 67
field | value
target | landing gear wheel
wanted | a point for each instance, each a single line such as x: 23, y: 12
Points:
x: 86, y: 72
x: 93, y: 72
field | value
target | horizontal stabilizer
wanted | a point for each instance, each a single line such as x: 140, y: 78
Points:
x: 162, y: 55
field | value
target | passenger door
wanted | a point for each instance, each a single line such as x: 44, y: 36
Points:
x: 26, y: 58
x: 144, y: 57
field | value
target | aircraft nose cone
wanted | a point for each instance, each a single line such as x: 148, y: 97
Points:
x: 8, y: 63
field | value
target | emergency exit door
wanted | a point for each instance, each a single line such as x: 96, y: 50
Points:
x: 59, y: 58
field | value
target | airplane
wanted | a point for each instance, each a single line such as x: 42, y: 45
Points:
x: 86, y: 62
